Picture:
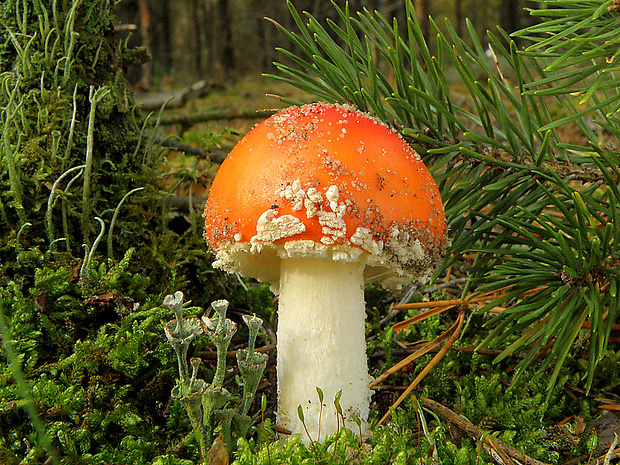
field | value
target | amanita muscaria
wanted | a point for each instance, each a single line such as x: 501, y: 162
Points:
x: 318, y: 200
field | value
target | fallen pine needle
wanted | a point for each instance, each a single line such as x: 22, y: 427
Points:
x: 455, y: 331
x: 426, y: 348
x: 439, y: 306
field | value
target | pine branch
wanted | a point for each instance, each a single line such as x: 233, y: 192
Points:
x: 535, y: 208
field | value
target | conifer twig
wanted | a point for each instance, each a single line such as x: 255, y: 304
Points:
x: 495, y: 447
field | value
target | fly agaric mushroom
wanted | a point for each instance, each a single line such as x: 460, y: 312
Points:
x: 317, y: 200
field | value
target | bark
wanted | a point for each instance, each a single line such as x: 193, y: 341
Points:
x: 422, y: 8
x: 144, y: 15
x: 214, y: 39
x: 223, y: 57
x: 458, y: 9
x: 510, y: 15
x: 182, y: 36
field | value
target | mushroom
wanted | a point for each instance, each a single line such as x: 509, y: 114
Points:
x: 318, y: 200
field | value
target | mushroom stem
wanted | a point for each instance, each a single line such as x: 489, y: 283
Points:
x: 321, y: 344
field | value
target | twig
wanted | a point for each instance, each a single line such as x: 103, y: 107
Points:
x: 494, y: 446
x: 191, y: 119
x: 170, y: 143
x: 215, y: 156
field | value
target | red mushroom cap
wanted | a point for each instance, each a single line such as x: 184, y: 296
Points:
x: 325, y: 180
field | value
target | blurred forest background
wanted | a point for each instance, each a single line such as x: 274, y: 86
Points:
x: 220, y: 40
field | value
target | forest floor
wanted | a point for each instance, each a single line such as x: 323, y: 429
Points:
x: 100, y: 365
x: 557, y: 427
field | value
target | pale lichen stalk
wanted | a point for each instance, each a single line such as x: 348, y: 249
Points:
x: 51, y: 201
x: 94, y: 97
x: 208, y: 404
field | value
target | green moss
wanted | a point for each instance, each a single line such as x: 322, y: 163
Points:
x: 55, y: 54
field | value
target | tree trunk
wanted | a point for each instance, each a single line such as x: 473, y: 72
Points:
x: 458, y: 9
x: 422, y: 8
x: 226, y: 46
x: 510, y: 15
x: 144, y: 15
x: 182, y: 36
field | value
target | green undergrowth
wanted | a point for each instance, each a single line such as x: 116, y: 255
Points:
x: 518, y: 417
x: 100, y: 374
x: 98, y: 369
x: 90, y: 244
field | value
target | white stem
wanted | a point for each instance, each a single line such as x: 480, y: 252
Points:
x: 321, y: 344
